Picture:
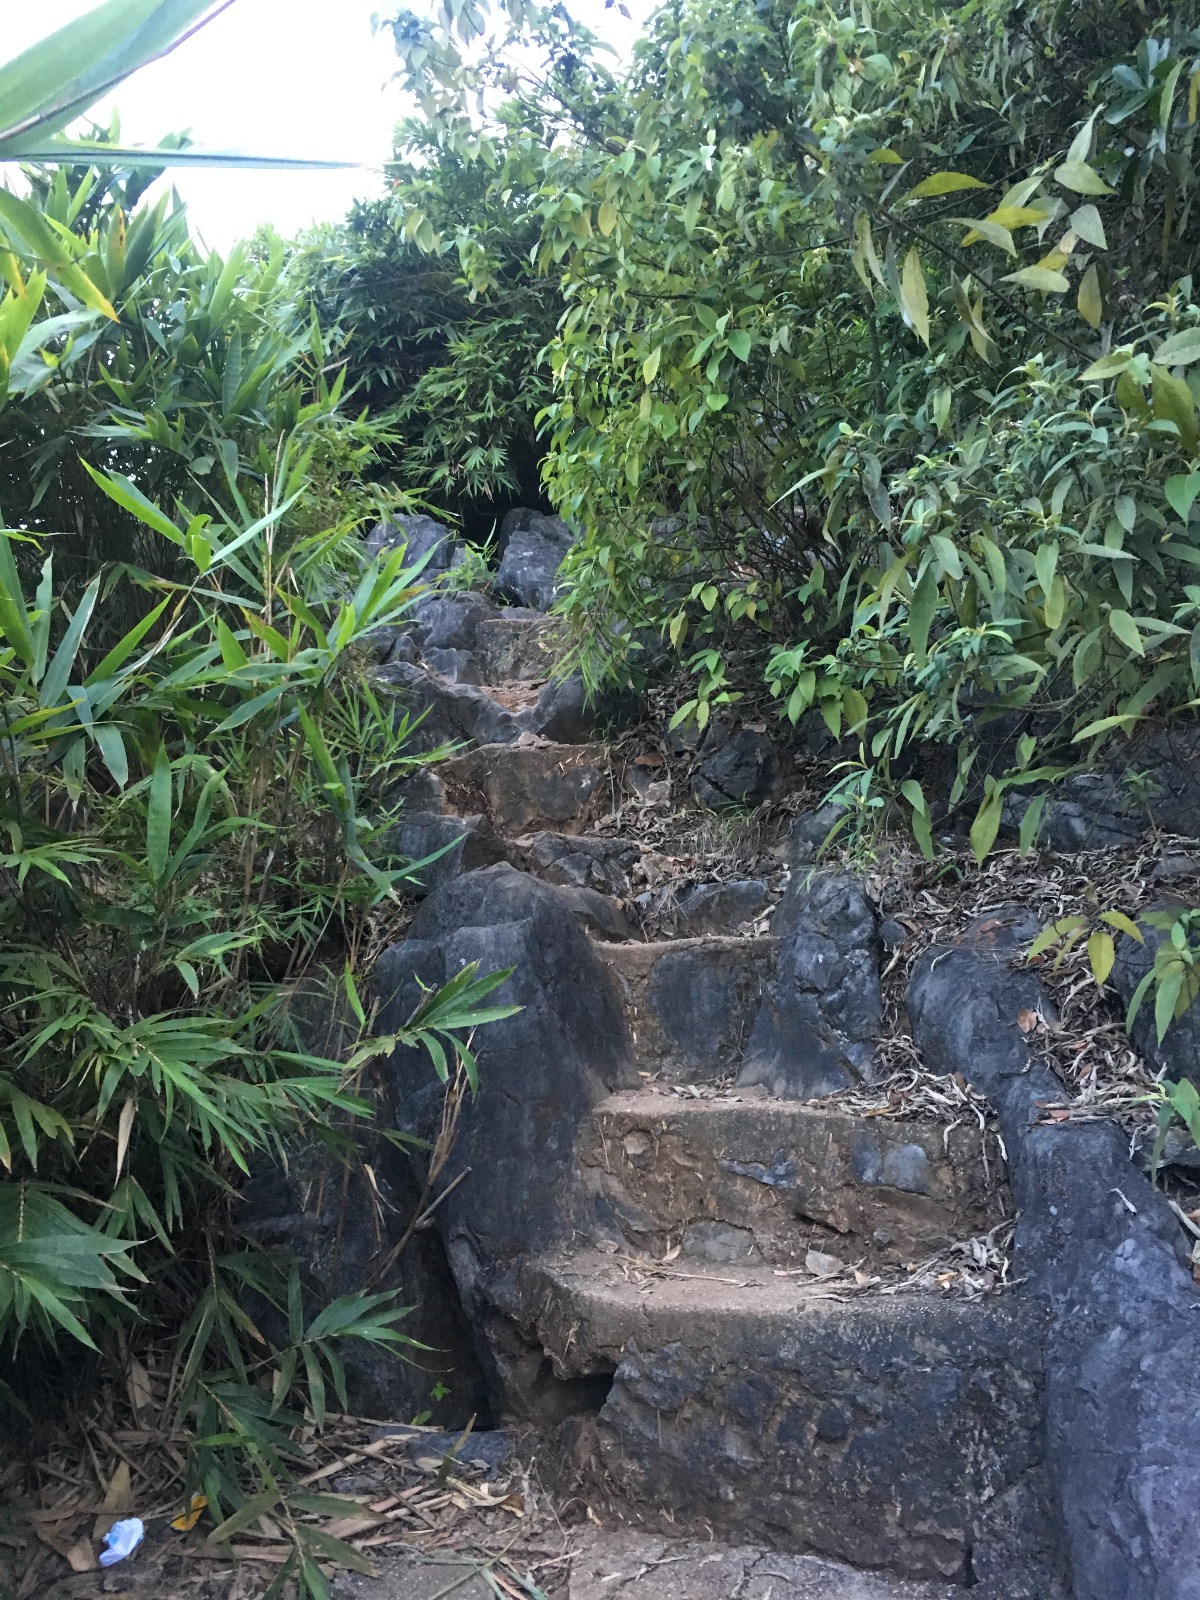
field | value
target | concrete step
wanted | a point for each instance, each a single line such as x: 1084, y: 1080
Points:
x: 900, y: 1433
x: 524, y: 788
x: 691, y: 1003
x: 752, y: 1179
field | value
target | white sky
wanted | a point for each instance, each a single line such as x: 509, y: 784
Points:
x: 271, y: 77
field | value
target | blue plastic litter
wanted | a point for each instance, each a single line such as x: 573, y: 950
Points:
x: 122, y: 1539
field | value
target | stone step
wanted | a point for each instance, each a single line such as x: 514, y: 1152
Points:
x: 900, y: 1433
x: 691, y: 1002
x: 752, y: 1179
x: 524, y: 788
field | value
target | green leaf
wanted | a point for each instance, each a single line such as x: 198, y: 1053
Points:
x: 650, y: 366
x: 1124, y: 924
x: 158, y: 816
x: 1180, y: 350
x: 1087, y: 224
x: 1077, y: 175
x: 914, y: 299
x: 1040, y: 278
x: 1101, y: 954
x: 739, y: 342
x: 986, y: 824
x: 943, y: 183
x: 921, y: 613
x: 1126, y: 630
x: 1181, y: 492
x: 131, y: 499
x: 1090, y: 302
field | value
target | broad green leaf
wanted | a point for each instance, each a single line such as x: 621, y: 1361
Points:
x: 914, y: 299
x: 1077, y: 175
x: 1040, y: 278
x: 63, y: 74
x: 650, y: 365
x: 1180, y: 350
x: 986, y: 824
x: 1111, y: 365
x: 1087, y: 224
x: 1123, y: 924
x: 921, y: 613
x: 739, y: 342
x: 1172, y: 400
x: 1101, y: 954
x: 943, y: 183
x: 1090, y: 303
x: 606, y: 219
x: 1181, y: 491
x: 1126, y: 630
x: 993, y: 232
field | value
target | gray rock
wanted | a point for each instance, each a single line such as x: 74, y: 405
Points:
x: 744, y: 771
x: 394, y: 644
x: 1104, y: 1252
x: 823, y: 1009
x: 486, y: 1450
x: 601, y: 864
x: 720, y: 907
x: 455, y: 666
x: 719, y: 1241
x: 448, y: 713
x: 540, y: 1071
x: 452, y: 621
x: 535, y: 550
x: 810, y: 830
x: 341, y: 1229
x: 422, y: 536
x: 564, y: 713
x: 466, y: 843
x: 1179, y: 1053
x: 705, y: 997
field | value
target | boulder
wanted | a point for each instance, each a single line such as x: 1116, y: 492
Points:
x: 823, y: 1008
x: 1103, y: 1251
x: 744, y: 771
x: 700, y: 1000
x: 340, y: 1222
x: 601, y: 864
x: 810, y: 830
x: 525, y: 788
x: 455, y: 666
x: 536, y: 548
x: 517, y: 1186
x: 565, y: 714
x: 1178, y: 1056
x: 720, y: 907
x: 446, y: 713
x: 465, y: 843
x: 421, y: 535
x: 452, y: 621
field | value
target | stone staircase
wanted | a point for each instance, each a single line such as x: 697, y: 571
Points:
x: 704, y: 1293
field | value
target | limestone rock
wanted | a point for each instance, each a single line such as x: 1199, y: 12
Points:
x: 536, y: 548
x: 823, y: 1008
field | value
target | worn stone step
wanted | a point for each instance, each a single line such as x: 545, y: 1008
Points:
x: 752, y: 1179
x: 524, y: 788
x: 691, y: 1003
x: 900, y: 1433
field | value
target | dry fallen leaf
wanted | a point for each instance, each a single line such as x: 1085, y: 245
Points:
x: 82, y: 1558
x: 189, y: 1519
x: 1027, y: 1020
x: 138, y: 1387
x: 672, y: 1254
x: 117, y: 1501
